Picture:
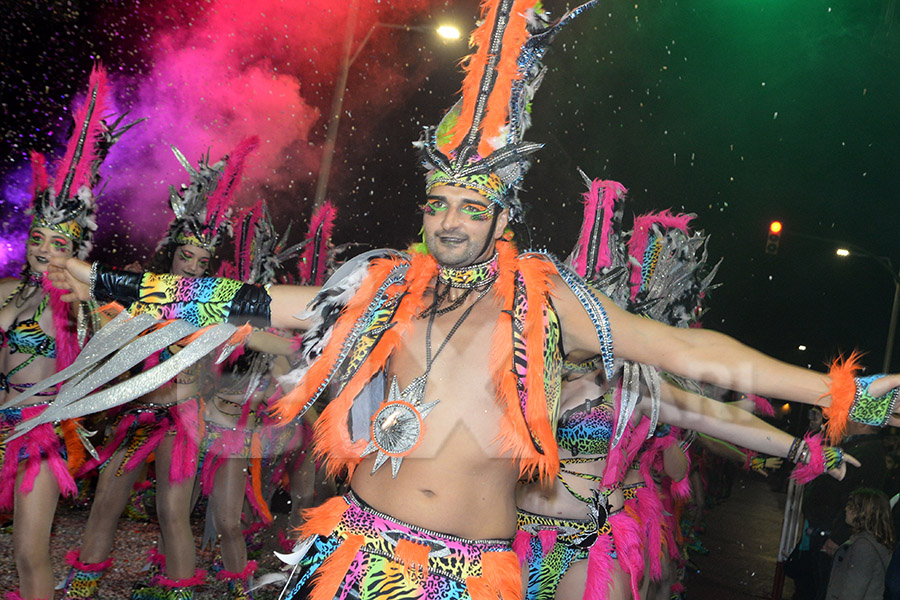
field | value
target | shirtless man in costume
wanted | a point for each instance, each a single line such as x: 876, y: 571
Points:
x: 473, y: 335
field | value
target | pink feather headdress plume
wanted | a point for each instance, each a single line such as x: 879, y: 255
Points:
x: 592, y: 253
x: 219, y: 202
x: 81, y: 150
x: 67, y: 204
x: 258, y: 249
x: 313, y: 262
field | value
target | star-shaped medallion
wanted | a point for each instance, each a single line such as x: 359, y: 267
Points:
x: 397, y: 425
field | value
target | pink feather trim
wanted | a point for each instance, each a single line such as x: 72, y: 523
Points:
x: 650, y: 511
x: 42, y: 440
x: 593, y: 201
x: 156, y: 558
x: 804, y: 473
x: 600, y: 569
x: 616, y: 456
x: 254, y: 528
x: 682, y: 489
x: 163, y: 581
x: 73, y: 559
x: 229, y: 444
x: 186, y: 446
x: 321, y: 226
x: 245, y: 574
x: 286, y: 543
x: 151, y: 361
x: 521, y: 545
x: 628, y: 540
x: 547, y: 538
x: 66, y: 335
x: 14, y: 595
x: 39, y: 177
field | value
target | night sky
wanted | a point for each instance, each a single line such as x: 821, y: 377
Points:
x: 739, y: 111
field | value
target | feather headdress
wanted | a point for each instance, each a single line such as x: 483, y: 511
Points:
x: 479, y: 144
x: 203, y: 207
x: 258, y: 249
x: 67, y: 203
x: 658, y: 270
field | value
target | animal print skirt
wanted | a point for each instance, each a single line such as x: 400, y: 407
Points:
x: 349, y: 550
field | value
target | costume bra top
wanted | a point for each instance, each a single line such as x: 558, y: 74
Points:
x: 28, y: 337
x: 587, y: 429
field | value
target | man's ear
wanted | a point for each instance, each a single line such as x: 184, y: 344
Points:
x: 502, y: 222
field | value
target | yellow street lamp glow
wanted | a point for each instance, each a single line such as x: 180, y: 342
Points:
x: 842, y: 252
x: 449, y: 32
x: 801, y: 347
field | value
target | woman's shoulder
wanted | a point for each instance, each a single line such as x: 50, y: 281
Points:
x: 865, y: 543
x: 867, y: 536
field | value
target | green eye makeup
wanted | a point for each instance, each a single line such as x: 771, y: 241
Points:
x: 476, y: 212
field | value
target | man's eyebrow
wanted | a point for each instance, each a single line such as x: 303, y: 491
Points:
x: 480, y: 203
x: 435, y: 197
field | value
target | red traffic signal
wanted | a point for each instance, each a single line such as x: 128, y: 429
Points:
x: 774, y: 238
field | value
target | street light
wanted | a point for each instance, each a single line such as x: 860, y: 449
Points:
x: 846, y: 250
x: 447, y: 32
x: 892, y: 327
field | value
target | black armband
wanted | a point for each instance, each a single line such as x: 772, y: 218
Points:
x: 108, y: 285
x: 251, y: 303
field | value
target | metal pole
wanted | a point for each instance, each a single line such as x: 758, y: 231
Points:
x: 892, y: 330
x: 336, y: 107
x: 790, y: 534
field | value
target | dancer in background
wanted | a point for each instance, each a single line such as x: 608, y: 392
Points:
x: 231, y: 452
x: 166, y: 422
x: 576, y: 535
x: 40, y: 334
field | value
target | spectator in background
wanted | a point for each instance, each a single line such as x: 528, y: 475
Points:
x: 816, y: 420
x: 824, y: 500
x: 858, y: 570
x: 892, y: 475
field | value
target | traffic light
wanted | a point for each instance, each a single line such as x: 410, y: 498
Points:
x: 774, y: 238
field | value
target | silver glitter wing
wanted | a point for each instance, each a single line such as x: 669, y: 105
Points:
x: 110, y: 338
x: 136, y: 386
x: 124, y: 360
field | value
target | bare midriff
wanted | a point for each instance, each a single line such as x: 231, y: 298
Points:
x: 456, y: 480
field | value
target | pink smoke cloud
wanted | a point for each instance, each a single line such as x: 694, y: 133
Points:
x: 223, y: 70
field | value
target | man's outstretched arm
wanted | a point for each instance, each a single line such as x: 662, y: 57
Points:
x: 699, y: 354
x: 285, y: 302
